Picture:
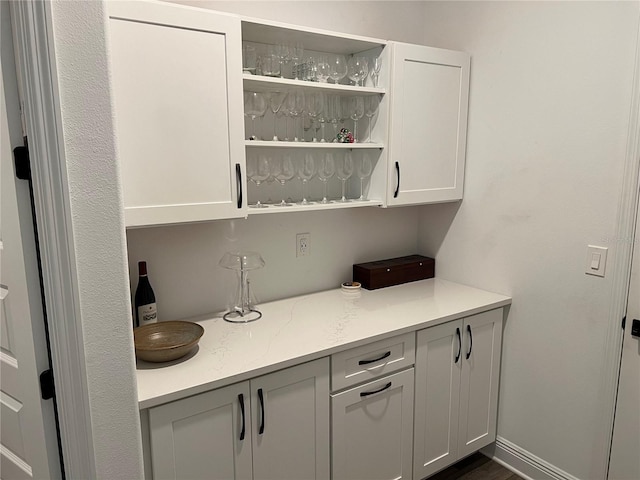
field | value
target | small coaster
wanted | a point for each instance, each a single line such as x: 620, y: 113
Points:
x: 351, y: 286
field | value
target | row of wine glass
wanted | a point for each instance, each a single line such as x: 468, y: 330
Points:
x: 289, y: 61
x: 262, y: 168
x: 310, y: 111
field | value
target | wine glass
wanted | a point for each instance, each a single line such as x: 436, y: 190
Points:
x: 314, y: 106
x: 344, y: 172
x: 255, y: 105
x: 337, y: 68
x: 326, y: 170
x: 275, y: 103
x: 363, y: 171
x: 322, y: 116
x: 258, y: 171
x: 356, y: 112
x: 376, y: 65
x: 370, y: 108
x: 306, y: 171
x: 323, y: 70
x: 283, y: 170
x: 295, y: 107
x: 334, y: 114
x: 357, y: 69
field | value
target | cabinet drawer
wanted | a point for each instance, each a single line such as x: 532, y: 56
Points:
x: 371, y: 361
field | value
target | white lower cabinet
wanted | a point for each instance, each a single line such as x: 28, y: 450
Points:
x: 457, y: 371
x: 271, y: 427
x: 372, y: 429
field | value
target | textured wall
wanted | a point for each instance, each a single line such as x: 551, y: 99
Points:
x: 99, y: 241
x: 549, y: 107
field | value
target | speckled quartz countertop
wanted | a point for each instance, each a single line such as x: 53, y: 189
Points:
x: 304, y: 328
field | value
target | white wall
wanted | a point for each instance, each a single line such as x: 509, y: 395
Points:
x: 549, y: 106
x: 97, y: 220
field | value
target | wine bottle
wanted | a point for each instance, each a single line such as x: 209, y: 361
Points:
x: 145, y: 299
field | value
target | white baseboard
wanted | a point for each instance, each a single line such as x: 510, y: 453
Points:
x: 523, y: 463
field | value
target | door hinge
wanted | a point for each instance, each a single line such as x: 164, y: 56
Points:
x: 47, y: 388
x: 22, y: 163
x: 624, y: 321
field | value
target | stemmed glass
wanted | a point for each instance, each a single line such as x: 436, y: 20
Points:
x: 370, y: 109
x: 306, y: 171
x: 334, y: 114
x: 314, y: 106
x: 283, y: 170
x: 356, y: 112
x: 275, y: 103
x: 344, y: 172
x: 337, y: 68
x: 357, y: 70
x: 323, y: 70
x: 255, y: 105
x: 295, y: 104
x: 258, y: 171
x: 326, y: 170
x: 376, y: 65
x: 363, y: 171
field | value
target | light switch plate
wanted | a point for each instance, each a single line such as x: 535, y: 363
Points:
x: 596, y: 260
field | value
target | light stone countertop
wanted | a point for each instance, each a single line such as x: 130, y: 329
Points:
x: 304, y: 328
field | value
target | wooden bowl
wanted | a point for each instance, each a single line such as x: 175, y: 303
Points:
x: 166, y: 341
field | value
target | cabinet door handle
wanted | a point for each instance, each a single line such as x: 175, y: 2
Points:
x: 261, y: 397
x: 459, y: 345
x: 395, y: 194
x: 366, y: 394
x: 239, y: 181
x: 366, y: 362
x: 241, y: 402
x: 470, y: 341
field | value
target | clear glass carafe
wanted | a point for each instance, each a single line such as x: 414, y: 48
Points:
x: 242, y: 263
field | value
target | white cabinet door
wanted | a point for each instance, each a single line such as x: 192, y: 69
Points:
x: 438, y: 368
x: 482, y: 345
x: 291, y: 423
x: 373, y: 429
x: 428, y: 124
x: 177, y: 92
x: 201, y: 436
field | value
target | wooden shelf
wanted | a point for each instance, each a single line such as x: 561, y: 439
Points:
x: 306, y: 145
x: 271, y: 209
x: 260, y: 83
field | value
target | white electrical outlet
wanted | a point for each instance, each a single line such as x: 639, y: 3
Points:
x: 303, y: 244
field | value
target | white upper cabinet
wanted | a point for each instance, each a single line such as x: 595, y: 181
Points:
x: 428, y: 124
x: 177, y: 92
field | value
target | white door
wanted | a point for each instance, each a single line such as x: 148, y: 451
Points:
x: 481, y: 343
x: 438, y: 368
x: 28, y: 442
x: 428, y: 124
x: 291, y: 423
x: 204, y: 436
x: 373, y: 430
x: 177, y: 89
x: 625, y: 450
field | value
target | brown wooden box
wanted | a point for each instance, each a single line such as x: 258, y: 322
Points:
x: 394, y: 271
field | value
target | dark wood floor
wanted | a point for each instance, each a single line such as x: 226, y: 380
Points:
x: 476, y: 467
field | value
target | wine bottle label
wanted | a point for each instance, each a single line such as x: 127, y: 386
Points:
x: 147, y: 314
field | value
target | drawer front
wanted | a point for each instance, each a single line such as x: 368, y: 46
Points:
x: 371, y: 361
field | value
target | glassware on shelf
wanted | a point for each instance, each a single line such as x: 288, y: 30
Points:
x: 306, y: 171
x: 244, y: 308
x: 258, y: 171
x: 344, y: 171
x: 322, y: 117
x: 356, y: 112
x: 249, y: 59
x: 376, y: 66
x: 323, y: 69
x: 337, y: 68
x: 294, y: 104
x: 283, y: 170
x: 270, y: 65
x: 326, y: 170
x: 296, y: 54
x: 281, y: 50
x: 334, y: 114
x: 255, y: 105
x: 275, y: 103
x: 357, y: 70
x: 314, y: 106
x: 370, y: 109
x: 364, y: 169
